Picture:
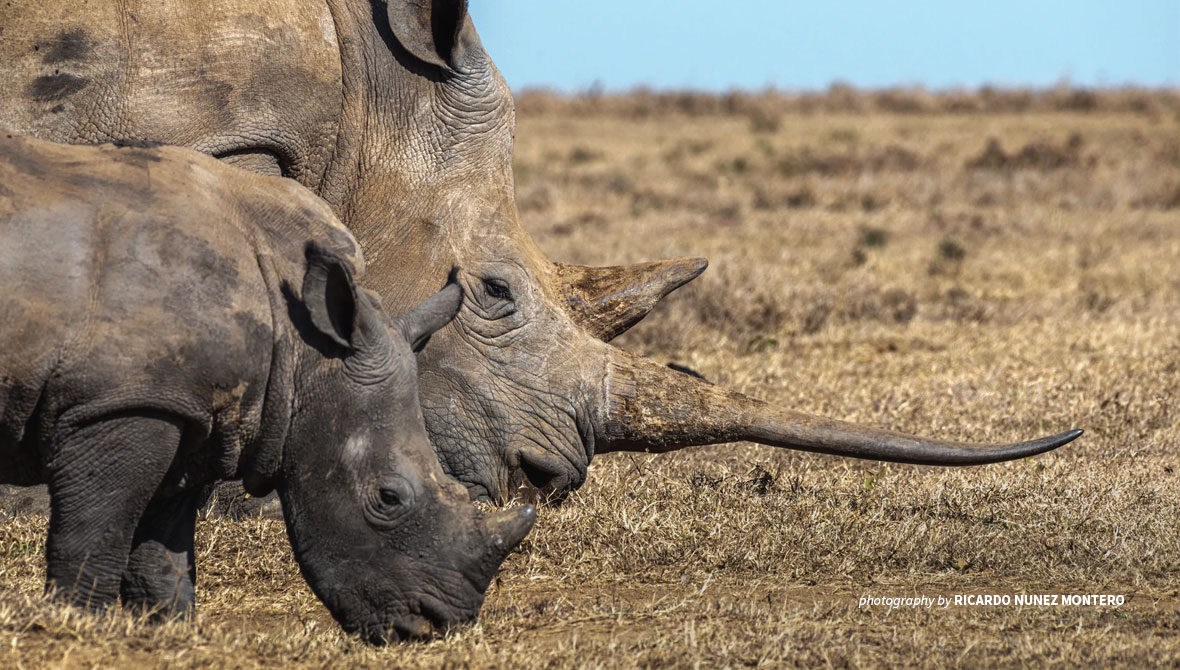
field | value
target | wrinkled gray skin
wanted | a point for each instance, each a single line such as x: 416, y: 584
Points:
x: 396, y: 116
x: 167, y: 321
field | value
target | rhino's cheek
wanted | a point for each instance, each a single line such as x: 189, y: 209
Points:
x: 497, y: 435
x: 466, y: 446
x: 356, y: 600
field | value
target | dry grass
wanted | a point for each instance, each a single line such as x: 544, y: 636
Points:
x: 951, y: 268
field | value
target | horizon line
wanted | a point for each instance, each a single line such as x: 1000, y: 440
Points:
x: 598, y: 90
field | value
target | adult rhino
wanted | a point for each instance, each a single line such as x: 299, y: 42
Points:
x: 167, y: 321
x: 396, y: 116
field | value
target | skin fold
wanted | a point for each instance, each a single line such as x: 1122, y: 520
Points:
x: 395, y: 115
x: 168, y: 321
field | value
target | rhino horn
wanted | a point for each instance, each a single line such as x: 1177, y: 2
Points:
x: 606, y: 301
x: 507, y: 528
x: 649, y: 407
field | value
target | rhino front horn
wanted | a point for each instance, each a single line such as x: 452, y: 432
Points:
x: 651, y: 408
x: 507, y: 528
x: 607, y: 301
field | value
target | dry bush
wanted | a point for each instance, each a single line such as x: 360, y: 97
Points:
x: 1036, y: 155
x: 769, y: 105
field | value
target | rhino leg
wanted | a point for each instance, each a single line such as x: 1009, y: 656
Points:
x: 229, y: 499
x: 161, y: 570
x: 102, y: 475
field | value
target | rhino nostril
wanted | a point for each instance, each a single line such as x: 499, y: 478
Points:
x: 546, y: 475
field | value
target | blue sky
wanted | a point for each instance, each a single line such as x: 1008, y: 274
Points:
x: 722, y: 44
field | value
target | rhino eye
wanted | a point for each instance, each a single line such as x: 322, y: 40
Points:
x: 392, y: 497
x: 387, y: 505
x: 395, y: 494
x: 497, y: 288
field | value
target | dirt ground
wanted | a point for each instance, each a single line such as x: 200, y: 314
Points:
x: 983, y: 266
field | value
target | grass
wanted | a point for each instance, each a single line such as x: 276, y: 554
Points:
x: 987, y: 266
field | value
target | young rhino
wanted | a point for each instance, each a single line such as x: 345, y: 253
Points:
x: 167, y: 321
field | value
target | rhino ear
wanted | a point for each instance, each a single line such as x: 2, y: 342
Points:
x: 432, y: 30
x: 418, y: 324
x: 331, y: 296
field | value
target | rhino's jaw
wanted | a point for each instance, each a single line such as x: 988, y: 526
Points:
x: 384, y: 611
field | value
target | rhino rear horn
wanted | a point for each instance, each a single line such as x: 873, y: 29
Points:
x: 433, y: 31
x: 606, y: 301
x: 418, y: 324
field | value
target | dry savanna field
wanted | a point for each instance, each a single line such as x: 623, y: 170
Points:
x: 987, y: 266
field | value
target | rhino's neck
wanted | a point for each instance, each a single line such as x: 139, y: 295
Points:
x: 261, y: 461
x: 422, y: 157
x: 343, y: 166
x: 381, y: 94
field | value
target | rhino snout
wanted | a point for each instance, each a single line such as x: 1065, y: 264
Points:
x: 432, y: 618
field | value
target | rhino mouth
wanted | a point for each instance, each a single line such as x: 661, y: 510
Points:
x: 403, y: 629
x: 432, y: 620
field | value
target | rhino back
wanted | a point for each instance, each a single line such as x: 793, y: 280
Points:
x: 257, y: 82
x: 136, y: 288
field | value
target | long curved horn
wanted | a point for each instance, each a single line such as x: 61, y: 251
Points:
x: 651, y: 408
x: 607, y: 301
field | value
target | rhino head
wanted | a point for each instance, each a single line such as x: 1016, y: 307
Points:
x: 389, y: 543
x: 523, y: 386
